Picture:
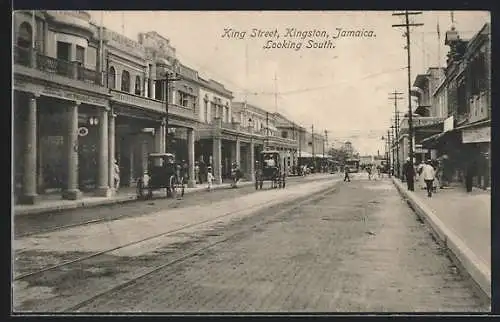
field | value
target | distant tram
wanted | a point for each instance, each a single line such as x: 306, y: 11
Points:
x: 353, y: 165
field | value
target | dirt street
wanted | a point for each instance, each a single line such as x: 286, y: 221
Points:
x: 360, y: 249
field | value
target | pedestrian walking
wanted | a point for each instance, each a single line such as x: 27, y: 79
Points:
x: 197, y: 172
x: 420, y: 178
x: 116, y: 174
x: 409, y: 173
x: 346, y: 174
x: 428, y: 175
x: 210, y: 178
x: 369, y: 171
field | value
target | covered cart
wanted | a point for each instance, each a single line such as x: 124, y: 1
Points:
x: 270, y: 166
x: 162, y: 173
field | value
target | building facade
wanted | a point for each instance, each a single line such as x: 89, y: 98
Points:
x: 86, y: 97
x: 465, y: 140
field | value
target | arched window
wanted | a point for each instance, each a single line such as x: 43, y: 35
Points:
x: 112, y: 78
x: 25, y: 35
x: 137, y: 85
x: 125, y: 81
x: 23, y: 42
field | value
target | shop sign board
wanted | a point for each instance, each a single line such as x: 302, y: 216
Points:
x: 448, y: 124
x: 477, y: 135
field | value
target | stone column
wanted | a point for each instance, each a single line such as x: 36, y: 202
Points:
x: 72, y: 192
x: 111, y: 153
x: 157, y: 139
x: 103, y: 180
x: 29, y: 195
x: 190, y: 137
x: 252, y: 155
x: 153, y: 78
x: 238, y: 151
x: 217, y: 153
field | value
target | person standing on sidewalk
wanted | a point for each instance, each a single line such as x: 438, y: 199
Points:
x: 116, y: 174
x: 428, y: 174
x: 409, y: 172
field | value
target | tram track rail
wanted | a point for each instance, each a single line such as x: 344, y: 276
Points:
x: 134, y: 243
x: 284, y: 208
x: 142, y: 240
x: 293, y: 181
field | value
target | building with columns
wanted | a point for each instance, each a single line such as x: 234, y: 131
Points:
x: 86, y: 97
x: 60, y: 105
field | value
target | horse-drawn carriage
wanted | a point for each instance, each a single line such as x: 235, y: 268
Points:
x: 163, y: 173
x: 270, y: 166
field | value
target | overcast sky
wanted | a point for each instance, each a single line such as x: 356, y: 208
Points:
x: 343, y: 90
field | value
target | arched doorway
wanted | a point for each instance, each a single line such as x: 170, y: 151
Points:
x: 23, y: 44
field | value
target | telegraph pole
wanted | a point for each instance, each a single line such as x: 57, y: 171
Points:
x: 393, y: 150
x: 275, y: 93
x: 267, y: 129
x: 389, y: 151
x: 169, y: 77
x: 312, y: 144
x: 407, y: 25
x: 325, y: 144
x: 396, y: 97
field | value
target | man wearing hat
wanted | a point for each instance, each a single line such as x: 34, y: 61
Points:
x: 428, y: 174
x: 409, y: 172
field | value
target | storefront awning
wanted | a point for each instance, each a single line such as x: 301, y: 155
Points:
x: 304, y: 154
x: 435, y: 139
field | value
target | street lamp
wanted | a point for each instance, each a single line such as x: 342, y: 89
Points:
x: 93, y: 120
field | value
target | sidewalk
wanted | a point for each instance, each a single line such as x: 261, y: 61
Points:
x: 55, y: 203
x: 463, y: 223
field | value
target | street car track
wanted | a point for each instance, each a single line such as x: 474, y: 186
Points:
x: 284, y: 208
x: 163, y: 234
x: 80, y: 259
x: 292, y: 182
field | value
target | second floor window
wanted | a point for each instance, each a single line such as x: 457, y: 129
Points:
x: 80, y: 55
x: 183, y: 99
x: 137, y: 85
x: 125, y: 81
x: 112, y: 78
x: 284, y: 134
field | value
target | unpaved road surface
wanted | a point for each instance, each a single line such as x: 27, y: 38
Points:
x: 359, y: 249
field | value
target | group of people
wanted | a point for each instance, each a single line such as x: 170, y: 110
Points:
x: 426, y: 174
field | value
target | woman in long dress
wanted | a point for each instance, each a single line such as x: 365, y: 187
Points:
x: 420, y: 177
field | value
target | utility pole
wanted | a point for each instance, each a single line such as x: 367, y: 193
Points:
x: 312, y: 145
x: 407, y: 25
x: 325, y: 140
x: 389, y: 151
x: 396, y: 96
x: 267, y: 129
x: 393, y: 150
x: 275, y: 93
x: 169, y: 77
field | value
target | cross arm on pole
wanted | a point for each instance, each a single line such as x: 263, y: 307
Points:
x: 407, y: 13
x: 410, y: 25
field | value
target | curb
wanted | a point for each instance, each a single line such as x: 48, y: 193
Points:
x: 461, y: 254
x: 96, y: 203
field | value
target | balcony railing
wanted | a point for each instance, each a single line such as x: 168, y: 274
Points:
x: 28, y: 57
x: 22, y: 56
